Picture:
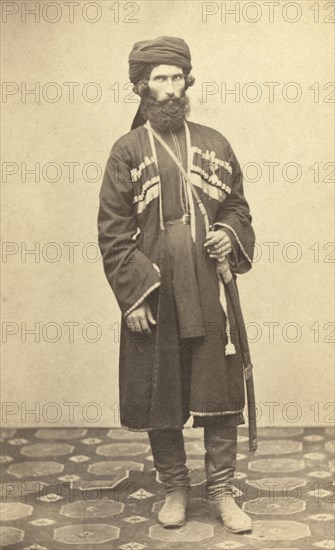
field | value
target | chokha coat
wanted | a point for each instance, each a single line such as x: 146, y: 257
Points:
x: 132, y: 243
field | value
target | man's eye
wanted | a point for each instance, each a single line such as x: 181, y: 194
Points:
x: 178, y: 77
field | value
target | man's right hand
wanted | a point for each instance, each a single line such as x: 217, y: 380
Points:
x: 138, y: 320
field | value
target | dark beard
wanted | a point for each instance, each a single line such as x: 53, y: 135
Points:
x: 165, y: 115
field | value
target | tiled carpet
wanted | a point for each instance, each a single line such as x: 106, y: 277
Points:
x: 96, y: 489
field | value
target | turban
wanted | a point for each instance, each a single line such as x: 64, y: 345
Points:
x: 164, y: 50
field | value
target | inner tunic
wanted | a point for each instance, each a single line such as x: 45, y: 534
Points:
x: 179, y: 244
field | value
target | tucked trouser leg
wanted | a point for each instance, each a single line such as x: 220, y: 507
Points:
x: 220, y: 462
x: 170, y: 461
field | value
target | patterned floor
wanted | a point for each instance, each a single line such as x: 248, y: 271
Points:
x: 96, y: 488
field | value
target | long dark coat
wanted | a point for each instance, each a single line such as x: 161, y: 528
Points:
x: 132, y: 242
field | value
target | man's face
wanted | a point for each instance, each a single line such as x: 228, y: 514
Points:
x: 166, y: 81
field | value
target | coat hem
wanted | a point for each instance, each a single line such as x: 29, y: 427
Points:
x: 149, y: 429
x: 202, y: 414
x: 216, y: 413
x: 134, y: 429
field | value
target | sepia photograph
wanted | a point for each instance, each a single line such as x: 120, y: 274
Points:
x: 168, y: 250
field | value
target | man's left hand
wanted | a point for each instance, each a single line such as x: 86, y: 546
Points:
x: 218, y: 244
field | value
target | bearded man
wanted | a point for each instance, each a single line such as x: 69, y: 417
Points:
x: 179, y: 354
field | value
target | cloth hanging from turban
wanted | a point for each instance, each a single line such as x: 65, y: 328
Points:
x: 164, y: 50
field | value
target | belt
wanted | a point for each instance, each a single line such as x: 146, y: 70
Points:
x: 185, y: 219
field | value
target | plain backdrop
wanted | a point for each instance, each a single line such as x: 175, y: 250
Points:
x: 59, y: 317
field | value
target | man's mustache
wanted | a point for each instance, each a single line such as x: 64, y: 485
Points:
x: 170, y: 105
x: 169, y: 100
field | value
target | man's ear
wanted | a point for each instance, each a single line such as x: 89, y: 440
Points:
x: 141, y: 88
x: 189, y: 81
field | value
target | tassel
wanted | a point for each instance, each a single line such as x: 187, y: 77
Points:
x: 230, y: 349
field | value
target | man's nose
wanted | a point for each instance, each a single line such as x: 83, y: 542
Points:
x: 169, y: 88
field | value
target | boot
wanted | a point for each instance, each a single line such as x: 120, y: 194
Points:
x: 220, y: 463
x: 170, y: 461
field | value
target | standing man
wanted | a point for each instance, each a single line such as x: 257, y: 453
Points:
x: 179, y: 352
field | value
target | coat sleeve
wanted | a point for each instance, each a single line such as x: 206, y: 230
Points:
x: 234, y: 217
x: 131, y: 274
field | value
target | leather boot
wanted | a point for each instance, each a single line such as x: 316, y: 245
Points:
x: 170, y: 461
x: 220, y: 463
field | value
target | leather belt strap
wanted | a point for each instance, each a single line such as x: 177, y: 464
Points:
x: 185, y: 219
